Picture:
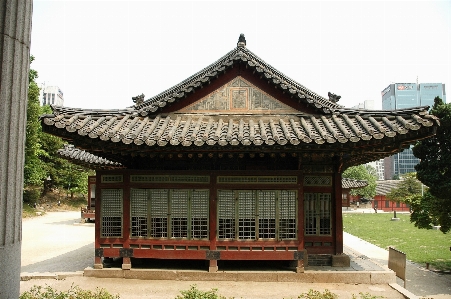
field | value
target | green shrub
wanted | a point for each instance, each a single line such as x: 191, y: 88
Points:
x: 75, y: 292
x: 31, y: 195
x: 366, y: 296
x: 194, y: 293
x: 312, y: 294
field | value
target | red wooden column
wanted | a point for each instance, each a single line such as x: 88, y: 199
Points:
x: 338, y: 214
x: 213, y: 263
x: 98, y: 251
x: 300, y: 264
x: 300, y: 228
x: 126, y: 222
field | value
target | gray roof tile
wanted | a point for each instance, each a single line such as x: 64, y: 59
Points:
x: 224, y: 130
x: 86, y: 159
x: 347, y: 183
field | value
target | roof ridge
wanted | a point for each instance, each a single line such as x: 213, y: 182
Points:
x: 242, y: 53
x: 189, y: 79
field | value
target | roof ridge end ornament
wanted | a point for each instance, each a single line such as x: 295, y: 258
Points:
x: 241, y: 41
x: 138, y: 100
x: 333, y: 97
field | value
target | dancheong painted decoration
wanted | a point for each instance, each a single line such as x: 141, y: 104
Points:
x: 237, y: 162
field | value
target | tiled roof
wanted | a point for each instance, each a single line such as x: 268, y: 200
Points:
x: 86, y: 159
x: 187, y: 129
x: 384, y: 187
x: 349, y: 129
x: 352, y: 136
x: 353, y: 184
x: 239, y: 54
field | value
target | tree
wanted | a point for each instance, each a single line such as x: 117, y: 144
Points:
x: 425, y: 210
x: 41, y: 158
x: 64, y: 174
x: 408, y: 186
x: 434, y: 171
x: 33, y: 166
x: 362, y: 172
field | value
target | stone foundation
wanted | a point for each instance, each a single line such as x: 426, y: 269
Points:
x: 341, y: 260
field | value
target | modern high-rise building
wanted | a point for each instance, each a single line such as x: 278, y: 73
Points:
x: 367, y: 105
x: 407, y: 95
x: 52, y: 95
x: 379, y: 166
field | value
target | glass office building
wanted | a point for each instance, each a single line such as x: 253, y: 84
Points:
x: 407, y: 95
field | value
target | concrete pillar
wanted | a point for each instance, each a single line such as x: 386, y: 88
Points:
x: 15, y: 30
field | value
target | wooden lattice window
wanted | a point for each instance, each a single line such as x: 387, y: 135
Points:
x: 199, y: 213
x: 139, y: 212
x: 179, y: 213
x: 257, y: 214
x: 317, y: 209
x: 257, y: 179
x: 158, y: 213
x: 317, y: 180
x: 267, y: 214
x: 111, y: 213
x: 226, y: 214
x: 112, y: 178
x: 170, y: 213
x: 287, y: 215
x: 144, y: 178
x: 246, y: 215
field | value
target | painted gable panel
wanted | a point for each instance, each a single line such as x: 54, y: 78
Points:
x: 238, y: 97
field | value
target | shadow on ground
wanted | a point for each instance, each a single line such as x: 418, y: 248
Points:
x: 75, y: 260
x: 200, y: 265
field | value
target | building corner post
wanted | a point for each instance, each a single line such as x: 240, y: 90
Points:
x: 338, y: 214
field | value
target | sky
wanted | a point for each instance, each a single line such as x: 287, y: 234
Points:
x: 102, y: 53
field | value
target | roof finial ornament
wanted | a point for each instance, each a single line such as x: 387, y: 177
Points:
x: 333, y: 97
x: 241, y: 41
x: 138, y: 100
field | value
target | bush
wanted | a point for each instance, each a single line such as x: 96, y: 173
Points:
x: 194, y: 293
x: 312, y: 294
x: 366, y: 296
x: 31, y: 195
x: 75, y: 292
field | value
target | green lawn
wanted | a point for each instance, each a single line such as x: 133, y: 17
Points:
x: 420, y: 245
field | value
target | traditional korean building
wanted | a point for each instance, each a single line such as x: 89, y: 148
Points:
x: 237, y: 162
x: 347, y: 185
x: 381, y: 202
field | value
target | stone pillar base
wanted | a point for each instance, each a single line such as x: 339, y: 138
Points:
x: 213, y: 266
x: 126, y: 266
x: 297, y: 266
x: 341, y: 260
x: 126, y: 263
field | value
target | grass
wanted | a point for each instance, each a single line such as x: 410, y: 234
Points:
x: 28, y: 211
x: 420, y: 245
